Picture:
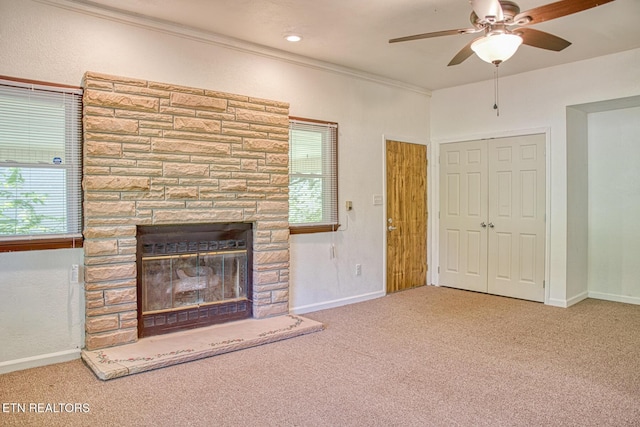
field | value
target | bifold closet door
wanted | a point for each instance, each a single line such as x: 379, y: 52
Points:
x: 463, y: 210
x: 492, y: 207
x: 516, y: 224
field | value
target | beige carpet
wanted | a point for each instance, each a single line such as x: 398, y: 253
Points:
x: 425, y: 357
x: 185, y: 346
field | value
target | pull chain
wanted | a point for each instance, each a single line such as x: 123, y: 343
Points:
x: 495, y: 90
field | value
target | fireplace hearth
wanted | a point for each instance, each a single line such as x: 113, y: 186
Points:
x: 193, y: 275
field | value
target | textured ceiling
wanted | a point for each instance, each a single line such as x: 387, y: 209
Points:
x: 355, y: 33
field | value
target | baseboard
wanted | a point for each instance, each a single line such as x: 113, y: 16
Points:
x: 565, y: 303
x: 580, y: 297
x: 557, y: 303
x: 41, y: 360
x: 595, y: 295
x: 336, y: 303
x: 614, y: 297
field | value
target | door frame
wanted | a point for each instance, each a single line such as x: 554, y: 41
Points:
x: 435, y: 197
x: 383, y: 222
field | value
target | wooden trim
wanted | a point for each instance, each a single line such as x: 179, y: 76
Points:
x: 307, y: 229
x: 38, y: 82
x: 337, y: 178
x: 323, y: 122
x: 41, y: 244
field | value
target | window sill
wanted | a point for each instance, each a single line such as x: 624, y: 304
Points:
x: 40, y: 244
x: 308, y: 229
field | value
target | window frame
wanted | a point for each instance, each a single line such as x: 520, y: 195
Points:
x: 17, y: 243
x: 320, y: 228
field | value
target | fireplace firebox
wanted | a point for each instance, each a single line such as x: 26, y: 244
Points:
x: 193, y: 275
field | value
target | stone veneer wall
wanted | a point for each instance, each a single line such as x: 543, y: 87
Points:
x: 157, y: 153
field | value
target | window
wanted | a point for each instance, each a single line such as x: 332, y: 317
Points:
x: 313, y: 176
x: 40, y: 165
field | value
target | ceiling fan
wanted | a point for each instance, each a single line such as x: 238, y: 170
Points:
x: 506, y: 28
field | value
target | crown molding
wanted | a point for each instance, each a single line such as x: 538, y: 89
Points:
x: 171, y: 28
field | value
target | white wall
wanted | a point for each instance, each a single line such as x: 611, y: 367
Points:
x: 41, y: 311
x: 538, y: 100
x: 614, y: 205
x: 41, y: 41
x: 577, y: 203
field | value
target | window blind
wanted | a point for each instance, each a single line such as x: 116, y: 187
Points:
x: 40, y: 160
x: 313, y: 183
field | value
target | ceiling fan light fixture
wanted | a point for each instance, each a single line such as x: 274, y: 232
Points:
x: 496, y: 48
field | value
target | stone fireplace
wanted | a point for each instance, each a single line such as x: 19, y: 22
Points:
x: 161, y: 155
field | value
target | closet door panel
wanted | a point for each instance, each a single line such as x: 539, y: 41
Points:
x: 463, y: 196
x: 516, y: 211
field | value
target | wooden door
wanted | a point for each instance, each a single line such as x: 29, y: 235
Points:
x: 406, y: 215
x: 516, y: 224
x: 463, y: 215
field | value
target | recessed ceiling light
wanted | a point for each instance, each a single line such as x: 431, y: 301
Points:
x: 292, y: 38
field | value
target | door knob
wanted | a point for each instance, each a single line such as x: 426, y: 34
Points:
x: 491, y: 225
x: 391, y: 228
x: 483, y: 224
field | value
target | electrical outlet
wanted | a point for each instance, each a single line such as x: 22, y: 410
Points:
x: 75, y: 273
x: 358, y: 269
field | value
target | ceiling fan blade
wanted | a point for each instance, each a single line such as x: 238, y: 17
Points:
x: 434, y: 34
x: 555, y: 10
x: 464, y: 53
x: 542, y: 40
x: 489, y: 10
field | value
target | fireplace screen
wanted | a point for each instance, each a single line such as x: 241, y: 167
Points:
x: 173, y: 281
x: 192, y: 278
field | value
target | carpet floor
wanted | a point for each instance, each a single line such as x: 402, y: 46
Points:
x: 425, y: 357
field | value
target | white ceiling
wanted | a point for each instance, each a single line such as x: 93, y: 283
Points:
x: 355, y: 33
